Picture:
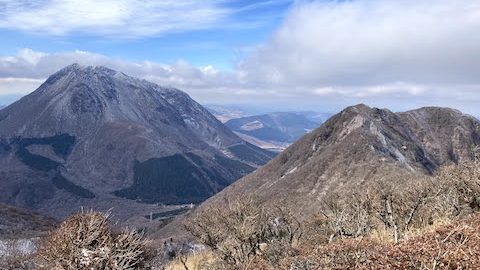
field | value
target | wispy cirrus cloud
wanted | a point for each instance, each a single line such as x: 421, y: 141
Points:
x: 121, y: 18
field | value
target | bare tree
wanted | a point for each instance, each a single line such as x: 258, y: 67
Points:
x: 240, y: 230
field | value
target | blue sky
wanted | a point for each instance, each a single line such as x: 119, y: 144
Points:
x: 249, y: 23
x: 283, y: 55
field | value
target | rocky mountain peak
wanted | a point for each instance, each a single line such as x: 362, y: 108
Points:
x: 91, y: 133
x: 358, y: 145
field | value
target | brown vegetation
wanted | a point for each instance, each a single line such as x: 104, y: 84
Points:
x: 240, y: 231
x: 424, y: 225
x: 431, y: 223
x: 452, y: 246
x: 85, y: 241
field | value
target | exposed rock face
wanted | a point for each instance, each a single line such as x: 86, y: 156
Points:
x: 93, y: 136
x: 361, y: 144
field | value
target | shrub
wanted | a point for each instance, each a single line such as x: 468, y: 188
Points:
x: 85, y: 241
x: 452, y: 246
x: 241, y: 231
x: 384, y: 207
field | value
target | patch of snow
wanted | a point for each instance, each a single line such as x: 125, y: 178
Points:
x: 227, y: 153
x: 289, y: 172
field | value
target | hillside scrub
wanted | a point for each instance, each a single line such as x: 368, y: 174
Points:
x: 427, y: 224
x: 451, y: 246
x: 16, y: 254
x: 399, y: 210
x: 240, y: 231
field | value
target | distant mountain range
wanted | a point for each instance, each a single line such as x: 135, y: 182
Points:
x: 357, y: 146
x: 95, y: 137
x: 224, y: 113
x: 274, y: 130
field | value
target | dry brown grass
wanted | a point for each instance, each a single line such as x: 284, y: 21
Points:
x: 85, y: 241
x: 452, y: 246
x: 203, y: 260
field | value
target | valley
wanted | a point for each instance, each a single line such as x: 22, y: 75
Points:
x: 239, y: 135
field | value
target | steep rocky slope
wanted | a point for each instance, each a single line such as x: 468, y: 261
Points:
x: 360, y: 144
x: 92, y: 136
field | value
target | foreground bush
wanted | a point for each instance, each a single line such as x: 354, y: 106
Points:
x: 85, y: 241
x: 240, y: 232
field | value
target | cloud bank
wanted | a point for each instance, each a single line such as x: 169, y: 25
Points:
x: 364, y: 42
x: 400, y: 54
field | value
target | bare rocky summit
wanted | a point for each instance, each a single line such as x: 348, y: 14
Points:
x: 95, y: 137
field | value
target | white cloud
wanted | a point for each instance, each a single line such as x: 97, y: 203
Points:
x: 389, y: 53
x: 22, y: 73
x: 123, y: 18
x: 18, y: 86
x: 362, y: 42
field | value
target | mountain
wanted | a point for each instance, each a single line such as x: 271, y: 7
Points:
x: 358, y: 145
x: 95, y: 137
x: 273, y: 130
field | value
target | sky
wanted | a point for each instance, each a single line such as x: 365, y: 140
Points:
x: 318, y: 55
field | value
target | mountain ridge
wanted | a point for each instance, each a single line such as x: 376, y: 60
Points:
x: 356, y: 146
x: 92, y: 133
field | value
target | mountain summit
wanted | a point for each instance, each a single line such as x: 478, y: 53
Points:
x: 94, y: 136
x: 358, y: 145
